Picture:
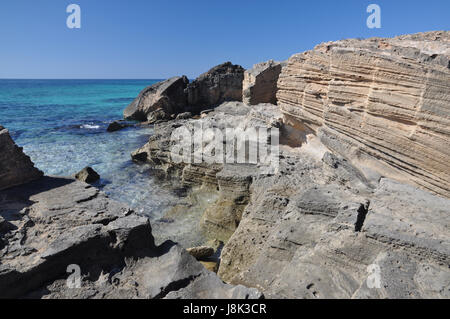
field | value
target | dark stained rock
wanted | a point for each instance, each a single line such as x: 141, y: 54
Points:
x: 16, y: 168
x: 167, y: 95
x: 184, y: 116
x: 87, y: 175
x: 115, y: 126
x: 221, y: 83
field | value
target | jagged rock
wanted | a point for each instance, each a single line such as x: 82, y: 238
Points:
x: 168, y: 95
x: 16, y: 168
x: 87, y: 175
x: 260, y: 83
x: 381, y: 103
x: 222, y: 83
x: 57, y: 222
x: 184, y: 116
x: 201, y: 252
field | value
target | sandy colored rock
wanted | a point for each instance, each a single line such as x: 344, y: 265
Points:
x: 201, y: 252
x: 16, y: 168
x: 382, y: 103
x: 260, y: 83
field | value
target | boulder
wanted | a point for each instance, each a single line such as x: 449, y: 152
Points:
x: 260, y: 83
x: 381, y: 103
x: 16, y: 168
x: 222, y: 83
x: 167, y: 95
x: 87, y: 175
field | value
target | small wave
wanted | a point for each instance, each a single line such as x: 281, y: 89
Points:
x: 90, y: 126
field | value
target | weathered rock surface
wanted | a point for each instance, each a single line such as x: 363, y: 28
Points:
x: 220, y: 84
x: 53, y: 225
x: 201, y: 252
x: 318, y: 226
x: 381, y: 103
x: 87, y: 175
x: 260, y: 83
x: 16, y: 168
x: 159, y: 101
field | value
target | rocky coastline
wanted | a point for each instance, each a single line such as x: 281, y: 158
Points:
x: 361, y: 187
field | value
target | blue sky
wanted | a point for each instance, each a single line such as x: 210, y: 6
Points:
x: 162, y: 38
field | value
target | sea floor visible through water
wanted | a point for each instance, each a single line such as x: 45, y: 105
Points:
x: 61, y: 125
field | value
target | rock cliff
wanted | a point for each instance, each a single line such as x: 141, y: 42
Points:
x: 382, y: 103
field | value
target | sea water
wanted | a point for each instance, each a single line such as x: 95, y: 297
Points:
x: 61, y: 125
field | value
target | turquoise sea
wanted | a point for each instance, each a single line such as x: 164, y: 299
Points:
x: 61, y: 124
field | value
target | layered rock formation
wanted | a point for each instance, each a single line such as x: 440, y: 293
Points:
x: 382, y: 103
x: 15, y: 167
x: 62, y: 238
x: 159, y: 101
x: 260, y: 83
x: 318, y: 227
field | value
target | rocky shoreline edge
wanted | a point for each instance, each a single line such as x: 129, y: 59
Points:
x: 358, y: 208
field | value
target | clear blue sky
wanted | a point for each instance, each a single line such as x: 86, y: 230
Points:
x: 163, y: 38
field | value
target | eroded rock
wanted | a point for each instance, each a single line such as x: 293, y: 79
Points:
x: 16, y: 168
x: 166, y: 97
x: 260, y: 83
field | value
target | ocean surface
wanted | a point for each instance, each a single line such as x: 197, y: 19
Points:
x: 61, y: 124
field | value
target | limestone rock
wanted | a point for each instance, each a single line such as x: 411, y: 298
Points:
x: 381, y: 103
x: 260, y: 83
x: 222, y: 83
x: 16, y: 168
x: 201, y: 252
x: 87, y: 175
x: 167, y: 95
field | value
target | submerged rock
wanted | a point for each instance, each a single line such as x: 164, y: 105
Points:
x: 115, y: 126
x: 16, y: 168
x: 87, y: 175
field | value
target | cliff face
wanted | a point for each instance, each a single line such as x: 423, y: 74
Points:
x: 15, y: 167
x: 383, y: 103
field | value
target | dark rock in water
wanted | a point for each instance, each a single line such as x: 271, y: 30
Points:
x: 221, y: 83
x: 167, y: 95
x: 16, y: 168
x: 87, y: 175
x: 115, y: 126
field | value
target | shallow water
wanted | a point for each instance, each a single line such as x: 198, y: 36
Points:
x: 61, y: 124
